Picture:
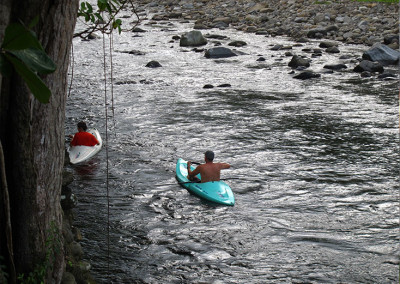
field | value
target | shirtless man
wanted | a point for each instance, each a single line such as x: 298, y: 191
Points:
x: 209, y: 171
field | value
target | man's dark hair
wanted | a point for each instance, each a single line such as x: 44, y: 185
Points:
x: 209, y: 155
x: 82, y: 125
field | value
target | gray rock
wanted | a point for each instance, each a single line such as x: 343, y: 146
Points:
x: 153, y: 64
x: 297, y: 61
x: 317, y: 33
x: 369, y: 66
x: 332, y: 49
x: 387, y: 75
x: 277, y: 47
x: 383, y: 54
x: 237, y: 43
x: 307, y: 75
x: 335, y: 66
x: 219, y: 52
x: 327, y: 44
x: 193, y: 38
x: 68, y: 278
x: 391, y: 39
x: 365, y: 74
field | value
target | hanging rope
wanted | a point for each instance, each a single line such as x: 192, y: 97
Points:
x: 112, y: 79
x: 72, y: 68
x: 106, y: 146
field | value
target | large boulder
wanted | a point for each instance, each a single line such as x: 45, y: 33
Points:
x: 369, y: 66
x: 383, y: 54
x: 219, y: 52
x: 193, y: 38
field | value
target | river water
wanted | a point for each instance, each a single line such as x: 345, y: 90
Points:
x: 314, y: 171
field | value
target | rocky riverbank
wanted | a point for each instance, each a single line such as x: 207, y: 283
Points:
x: 371, y: 23
x: 360, y: 22
x: 77, y: 270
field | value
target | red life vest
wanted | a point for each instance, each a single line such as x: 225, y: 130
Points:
x: 84, y: 139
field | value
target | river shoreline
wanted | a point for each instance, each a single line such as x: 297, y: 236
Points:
x: 346, y: 21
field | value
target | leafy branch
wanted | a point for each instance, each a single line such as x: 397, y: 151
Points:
x: 96, y: 21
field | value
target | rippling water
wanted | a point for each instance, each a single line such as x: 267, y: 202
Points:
x: 314, y: 165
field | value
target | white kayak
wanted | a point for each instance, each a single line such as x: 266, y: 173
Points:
x: 78, y: 154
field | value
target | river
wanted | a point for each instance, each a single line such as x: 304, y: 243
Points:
x: 315, y: 164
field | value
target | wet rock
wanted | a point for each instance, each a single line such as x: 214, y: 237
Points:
x: 391, y: 39
x: 68, y: 278
x: 74, y: 249
x: 335, y: 66
x: 68, y: 200
x: 215, y: 36
x: 369, y: 66
x: 261, y: 59
x: 153, y: 64
x: 237, y: 43
x: 317, y: 33
x: 67, y: 179
x: 365, y: 74
x: 327, y: 44
x: 383, y: 54
x: 297, y: 61
x: 386, y: 75
x: 277, y: 47
x: 307, y: 75
x: 332, y: 49
x: 138, y: 30
x: 219, y: 52
x: 174, y: 15
x: 193, y: 38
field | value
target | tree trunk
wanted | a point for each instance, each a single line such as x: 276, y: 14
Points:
x: 33, y: 139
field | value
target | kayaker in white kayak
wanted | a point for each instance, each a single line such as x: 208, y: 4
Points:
x: 209, y: 171
x: 83, y: 138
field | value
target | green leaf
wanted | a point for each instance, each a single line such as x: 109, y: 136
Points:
x: 5, y: 66
x: 35, y: 84
x: 99, y: 17
x: 19, y: 37
x: 37, y: 60
x: 33, y: 22
x: 90, y: 8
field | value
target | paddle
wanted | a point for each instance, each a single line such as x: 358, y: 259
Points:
x: 164, y: 184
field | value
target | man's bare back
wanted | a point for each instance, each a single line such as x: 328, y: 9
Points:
x: 209, y: 171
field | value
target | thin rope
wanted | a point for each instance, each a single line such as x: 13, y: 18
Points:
x: 112, y: 79
x: 72, y: 68
x: 106, y: 146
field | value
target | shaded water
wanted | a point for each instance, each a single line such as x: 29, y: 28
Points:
x: 317, y: 198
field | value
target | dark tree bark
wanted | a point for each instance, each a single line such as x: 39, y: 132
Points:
x: 32, y: 135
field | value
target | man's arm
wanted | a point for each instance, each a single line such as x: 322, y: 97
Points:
x: 193, y: 173
x: 224, y: 165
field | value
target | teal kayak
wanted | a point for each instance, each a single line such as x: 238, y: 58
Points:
x: 215, y: 191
